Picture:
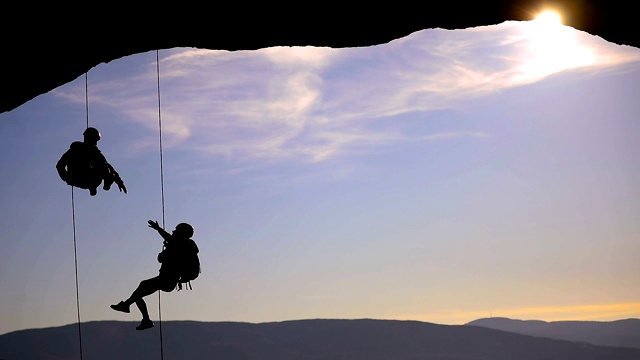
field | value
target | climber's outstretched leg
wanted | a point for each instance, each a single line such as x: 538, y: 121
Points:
x: 146, y: 288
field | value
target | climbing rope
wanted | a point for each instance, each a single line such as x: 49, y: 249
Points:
x: 73, y: 221
x: 73, y: 213
x: 160, y: 133
x: 86, y: 95
x: 161, y: 191
x: 75, y: 256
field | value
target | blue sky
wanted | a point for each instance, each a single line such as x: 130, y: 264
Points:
x: 442, y: 177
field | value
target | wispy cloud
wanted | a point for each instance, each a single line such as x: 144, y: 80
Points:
x: 313, y: 104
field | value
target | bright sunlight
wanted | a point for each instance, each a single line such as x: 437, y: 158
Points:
x: 549, y: 17
x: 551, y: 47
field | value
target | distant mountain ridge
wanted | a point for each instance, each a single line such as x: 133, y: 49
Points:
x: 319, y: 339
x: 624, y: 333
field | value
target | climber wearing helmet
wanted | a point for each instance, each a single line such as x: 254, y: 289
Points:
x: 84, y: 166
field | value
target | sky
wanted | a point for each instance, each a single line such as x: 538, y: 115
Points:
x: 445, y: 176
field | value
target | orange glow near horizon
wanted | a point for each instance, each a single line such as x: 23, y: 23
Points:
x: 589, y: 312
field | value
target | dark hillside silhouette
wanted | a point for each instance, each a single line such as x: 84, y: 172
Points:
x: 305, y: 339
x: 606, y: 333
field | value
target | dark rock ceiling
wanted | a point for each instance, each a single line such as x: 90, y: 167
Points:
x: 45, y: 46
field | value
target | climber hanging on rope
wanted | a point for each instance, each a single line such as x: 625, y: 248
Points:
x: 84, y: 166
x: 180, y: 265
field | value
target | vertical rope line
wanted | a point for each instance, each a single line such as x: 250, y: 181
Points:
x: 161, y: 192
x: 73, y: 220
x: 75, y: 256
x: 86, y: 95
x: 160, y: 132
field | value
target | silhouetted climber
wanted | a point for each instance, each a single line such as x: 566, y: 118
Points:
x: 84, y: 166
x: 180, y: 264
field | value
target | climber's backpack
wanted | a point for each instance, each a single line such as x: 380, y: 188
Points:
x: 187, y: 262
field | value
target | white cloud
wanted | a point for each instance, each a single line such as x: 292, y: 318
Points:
x: 312, y: 104
x: 304, y: 56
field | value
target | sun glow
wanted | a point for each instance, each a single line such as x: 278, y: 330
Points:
x: 549, y: 17
x: 551, y: 47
